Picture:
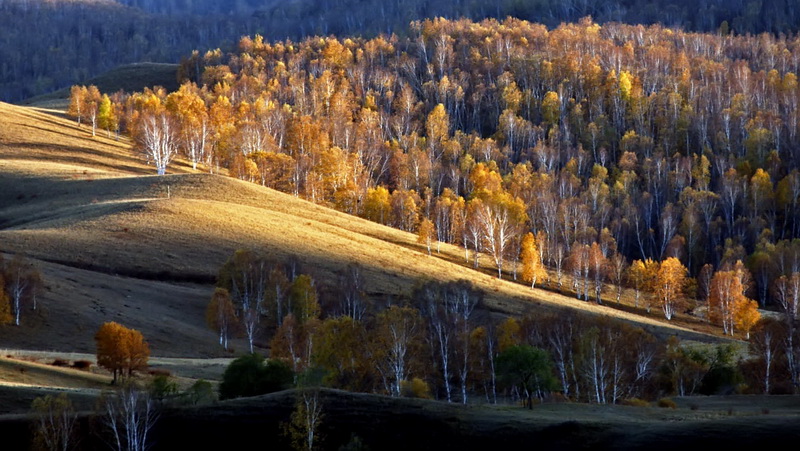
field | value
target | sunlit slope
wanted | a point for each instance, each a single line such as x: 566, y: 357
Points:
x: 114, y: 221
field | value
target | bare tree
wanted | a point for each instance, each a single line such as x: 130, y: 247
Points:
x: 157, y: 137
x: 130, y: 416
x: 22, y: 281
x: 55, y: 422
x: 353, y: 292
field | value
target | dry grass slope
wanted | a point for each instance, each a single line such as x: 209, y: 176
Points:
x: 122, y: 244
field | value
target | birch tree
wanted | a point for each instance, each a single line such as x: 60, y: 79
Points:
x: 55, y: 420
x: 129, y: 417
x: 670, y: 281
x: 398, y: 330
x: 22, y: 281
x: 154, y: 130
x: 221, y: 315
x: 245, y: 277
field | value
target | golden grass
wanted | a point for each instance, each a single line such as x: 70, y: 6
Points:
x: 89, y: 203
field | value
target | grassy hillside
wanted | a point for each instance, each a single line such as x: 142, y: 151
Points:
x: 116, y: 243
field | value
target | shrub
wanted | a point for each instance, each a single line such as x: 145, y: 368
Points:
x: 635, y: 402
x: 60, y: 363
x: 82, y: 365
x: 249, y: 376
x: 667, y: 403
x: 162, y: 387
x: 158, y: 372
x: 416, y: 388
x: 201, y: 392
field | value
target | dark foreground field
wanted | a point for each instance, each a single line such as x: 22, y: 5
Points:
x: 742, y: 422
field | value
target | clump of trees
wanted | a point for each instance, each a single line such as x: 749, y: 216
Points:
x: 438, y: 343
x: 121, y: 350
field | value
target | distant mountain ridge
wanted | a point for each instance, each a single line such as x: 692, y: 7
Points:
x: 51, y: 44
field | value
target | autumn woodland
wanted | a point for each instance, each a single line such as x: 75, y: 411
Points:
x: 597, y: 206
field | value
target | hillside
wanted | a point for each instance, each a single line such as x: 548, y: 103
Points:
x: 385, y: 423
x: 127, y: 77
x: 114, y: 242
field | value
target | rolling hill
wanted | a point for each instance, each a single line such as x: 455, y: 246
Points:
x: 117, y: 243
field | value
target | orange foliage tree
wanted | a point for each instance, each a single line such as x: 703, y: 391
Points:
x: 121, y: 350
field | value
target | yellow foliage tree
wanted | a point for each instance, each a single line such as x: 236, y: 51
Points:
x: 532, y: 268
x: 106, y: 115
x: 508, y: 334
x: 670, y: 281
x: 426, y: 233
x: 377, y: 205
x: 641, y: 276
x: 725, y: 294
x: 746, y: 315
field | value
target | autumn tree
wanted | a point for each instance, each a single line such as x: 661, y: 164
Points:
x: 669, y: 285
x: 91, y: 105
x: 598, y: 267
x: 106, y: 115
x: 617, y: 270
x: 121, y: 350
x: 532, y: 267
x: 725, y: 294
x: 303, y: 299
x: 746, y: 315
x: 305, y: 421
x: 76, y: 109
x: 154, y: 130
x: 245, y: 277
x: 426, y: 233
x: 221, y: 315
x: 642, y: 277
x: 397, y: 335
x: 786, y: 291
x: 341, y: 351
x: 500, y: 218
